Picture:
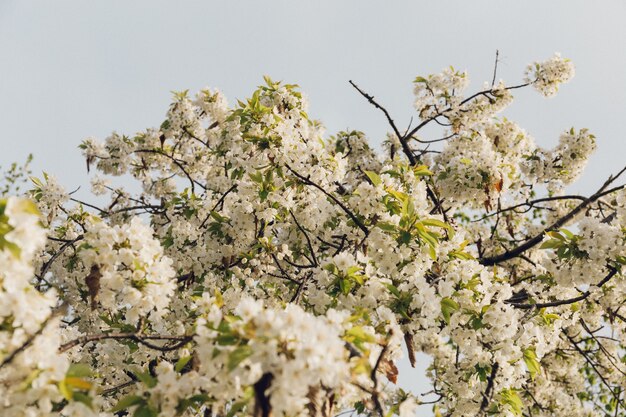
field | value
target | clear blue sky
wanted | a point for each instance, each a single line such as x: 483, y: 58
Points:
x: 72, y: 69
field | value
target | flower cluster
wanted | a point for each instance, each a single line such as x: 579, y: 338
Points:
x: 127, y: 270
x: 439, y: 92
x: 548, y: 75
x: 281, y: 346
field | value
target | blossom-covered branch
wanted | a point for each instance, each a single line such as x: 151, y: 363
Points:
x: 256, y: 266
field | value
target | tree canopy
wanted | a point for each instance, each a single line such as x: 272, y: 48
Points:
x: 264, y: 268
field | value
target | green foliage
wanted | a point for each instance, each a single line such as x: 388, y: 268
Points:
x: 358, y: 337
x: 76, y: 385
x: 411, y: 228
x: 510, y: 399
x: 345, y: 282
x: 15, y: 177
x: 448, y: 306
x: 565, y: 243
x: 238, y: 355
x: 530, y: 359
x: 401, y: 301
x: 144, y: 409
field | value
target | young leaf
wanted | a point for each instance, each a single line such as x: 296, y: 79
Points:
x: 530, y: 358
x: 509, y: 397
x: 126, y: 402
x: 448, y: 306
x: 238, y: 355
x: 180, y: 364
x: 374, y: 178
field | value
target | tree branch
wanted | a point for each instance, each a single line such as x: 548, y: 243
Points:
x: 32, y: 338
x: 488, y: 391
x: 557, y: 303
x: 530, y: 243
x: 349, y: 212
x: 371, y: 100
x: 139, y: 338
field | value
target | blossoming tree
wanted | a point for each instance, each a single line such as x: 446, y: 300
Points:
x: 264, y: 269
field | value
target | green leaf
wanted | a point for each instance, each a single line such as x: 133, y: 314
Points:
x: 358, y: 336
x: 83, y: 398
x: 236, y: 407
x: 460, y: 255
x: 555, y: 235
x: 432, y: 253
x: 79, y: 370
x: 567, y: 233
x: 147, y: 379
x: 128, y: 401
x: 193, y: 401
x: 509, y: 397
x: 408, y: 208
x: 548, y: 318
x: 551, y: 244
x: 398, y: 195
x: 180, y: 364
x: 422, y: 171
x: 404, y: 237
x: 448, y: 306
x: 227, y: 339
x: 387, y: 227
x: 374, y: 178
x: 435, y: 223
x: 145, y: 410
x: 15, y: 250
x: 394, y: 290
x: 238, y: 355
x: 218, y: 217
x: 345, y: 286
x: 66, y: 392
x: 256, y: 177
x: 358, y: 278
x: 563, y: 252
x: 426, y: 236
x: 359, y: 332
x: 359, y: 407
x: 268, y: 80
x: 476, y: 322
x: 530, y: 358
x: 353, y: 269
x: 482, y: 372
x: 79, y: 383
x: 27, y: 382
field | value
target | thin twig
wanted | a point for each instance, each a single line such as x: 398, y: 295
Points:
x: 573, y: 300
x: 530, y: 243
x: 495, y: 70
x: 32, y: 338
x: 139, y: 338
x: 349, y: 212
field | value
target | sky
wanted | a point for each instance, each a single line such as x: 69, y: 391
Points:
x: 70, y: 69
